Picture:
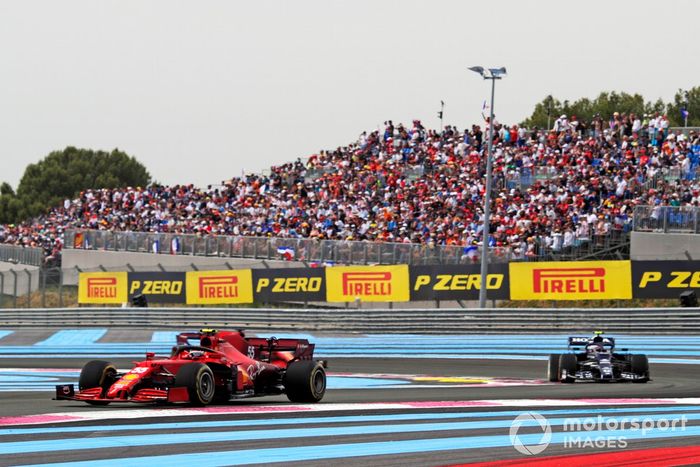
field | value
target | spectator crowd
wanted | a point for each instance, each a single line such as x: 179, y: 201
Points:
x: 556, y: 188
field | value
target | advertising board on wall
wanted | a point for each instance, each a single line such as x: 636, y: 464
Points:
x: 458, y: 282
x: 219, y: 287
x: 102, y: 288
x: 367, y: 283
x: 576, y: 280
x: 572, y: 280
x: 289, y: 285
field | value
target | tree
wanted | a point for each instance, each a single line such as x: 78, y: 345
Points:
x: 688, y: 100
x: 585, y: 109
x: 64, y: 174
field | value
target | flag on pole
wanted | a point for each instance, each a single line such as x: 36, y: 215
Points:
x: 471, y: 252
x: 175, y: 246
x: 684, y: 113
x: 286, y: 252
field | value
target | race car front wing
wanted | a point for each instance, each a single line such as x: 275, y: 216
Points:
x: 145, y: 395
x: 590, y: 376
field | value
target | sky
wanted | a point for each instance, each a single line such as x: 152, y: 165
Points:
x: 200, y: 91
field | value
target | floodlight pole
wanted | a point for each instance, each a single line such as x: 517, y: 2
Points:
x: 487, y: 196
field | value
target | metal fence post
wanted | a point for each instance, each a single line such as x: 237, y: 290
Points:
x: 42, y: 284
x: 29, y: 288
x: 2, y: 289
x: 60, y: 288
x: 14, y: 287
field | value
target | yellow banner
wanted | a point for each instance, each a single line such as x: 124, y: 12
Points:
x: 102, y: 288
x: 571, y: 280
x: 219, y: 287
x: 367, y: 283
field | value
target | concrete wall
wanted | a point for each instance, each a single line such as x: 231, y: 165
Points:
x: 92, y: 260
x: 664, y: 246
x: 17, y: 277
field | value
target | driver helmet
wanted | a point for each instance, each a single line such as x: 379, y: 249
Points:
x: 596, y: 345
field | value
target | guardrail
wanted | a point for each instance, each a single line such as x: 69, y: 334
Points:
x: 420, y: 321
x: 22, y: 255
x: 331, y: 251
x: 269, y: 248
x: 667, y: 219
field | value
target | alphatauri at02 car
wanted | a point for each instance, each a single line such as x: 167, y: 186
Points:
x: 595, y: 359
x: 223, y: 365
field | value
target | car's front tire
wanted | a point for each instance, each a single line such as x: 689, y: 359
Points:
x: 639, y: 365
x: 97, y: 373
x: 199, y: 381
x: 305, y: 381
x: 553, y: 368
x: 568, y: 363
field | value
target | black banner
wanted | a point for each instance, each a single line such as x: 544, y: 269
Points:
x: 289, y: 285
x: 458, y: 282
x: 158, y: 287
x: 664, y: 279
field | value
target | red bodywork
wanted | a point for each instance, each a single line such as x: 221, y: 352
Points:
x: 242, y: 367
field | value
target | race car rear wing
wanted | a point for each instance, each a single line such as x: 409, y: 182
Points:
x: 583, y: 341
x: 301, y: 348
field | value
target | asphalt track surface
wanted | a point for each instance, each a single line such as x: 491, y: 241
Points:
x: 359, y: 433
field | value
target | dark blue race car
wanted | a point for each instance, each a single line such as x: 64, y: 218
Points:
x: 595, y: 359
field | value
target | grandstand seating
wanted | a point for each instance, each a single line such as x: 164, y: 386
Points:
x: 554, y: 190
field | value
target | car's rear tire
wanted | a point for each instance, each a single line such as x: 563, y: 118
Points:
x: 305, y: 381
x: 97, y: 373
x: 553, y: 368
x: 199, y: 381
x: 639, y: 365
x: 568, y: 363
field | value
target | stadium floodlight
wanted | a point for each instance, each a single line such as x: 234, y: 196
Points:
x: 493, y: 74
x: 489, y: 73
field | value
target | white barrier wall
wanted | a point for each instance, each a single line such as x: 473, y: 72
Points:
x: 92, y: 260
x: 653, y: 246
x: 22, y: 274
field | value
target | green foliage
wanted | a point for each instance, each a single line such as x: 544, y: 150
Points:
x: 63, y: 174
x: 585, y: 109
x: 691, y: 98
x: 609, y: 102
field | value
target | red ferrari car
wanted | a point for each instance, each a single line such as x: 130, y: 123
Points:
x: 224, y: 365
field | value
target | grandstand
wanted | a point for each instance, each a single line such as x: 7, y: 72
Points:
x: 568, y: 193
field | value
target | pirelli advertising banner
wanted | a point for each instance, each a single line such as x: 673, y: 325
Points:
x: 572, y: 280
x: 289, y: 285
x: 581, y: 280
x: 158, y: 287
x: 219, y: 287
x: 367, y: 283
x: 102, y: 288
x: 664, y: 279
x: 458, y: 282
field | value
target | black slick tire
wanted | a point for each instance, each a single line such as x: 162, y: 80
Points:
x: 553, y: 368
x: 199, y: 381
x: 97, y: 373
x: 305, y: 381
x: 568, y: 364
x: 639, y: 365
